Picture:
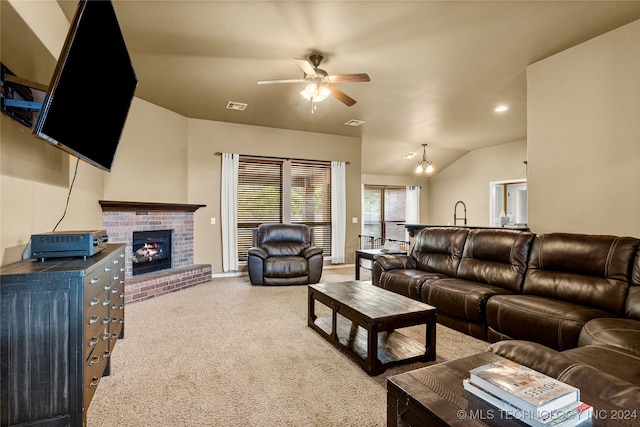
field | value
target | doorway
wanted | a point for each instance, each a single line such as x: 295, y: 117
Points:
x: 508, y: 203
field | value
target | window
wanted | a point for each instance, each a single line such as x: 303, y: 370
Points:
x: 285, y: 191
x: 384, y: 212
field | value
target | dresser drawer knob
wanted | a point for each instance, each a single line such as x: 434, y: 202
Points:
x: 107, y: 287
x: 94, y: 360
x: 94, y: 382
x: 106, y: 354
x: 105, y: 321
x: 106, y: 302
x: 106, y: 336
x: 93, y: 341
x: 94, y: 301
x: 94, y: 280
x: 107, y: 269
x: 93, y: 319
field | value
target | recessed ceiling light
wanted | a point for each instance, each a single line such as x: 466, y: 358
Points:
x: 409, y: 155
x: 236, y: 106
x: 501, y: 108
x: 354, y: 122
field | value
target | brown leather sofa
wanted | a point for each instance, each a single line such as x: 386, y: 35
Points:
x: 458, y: 270
x: 570, y: 279
x: 564, y: 304
x: 284, y: 254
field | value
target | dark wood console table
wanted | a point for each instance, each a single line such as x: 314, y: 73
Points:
x: 59, y: 322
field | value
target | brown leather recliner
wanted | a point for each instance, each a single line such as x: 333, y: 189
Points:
x: 284, y: 254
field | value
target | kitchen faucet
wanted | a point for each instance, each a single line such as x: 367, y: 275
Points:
x: 455, y: 210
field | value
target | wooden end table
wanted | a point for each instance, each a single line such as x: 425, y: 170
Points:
x: 434, y: 396
x: 369, y: 254
x: 363, y: 322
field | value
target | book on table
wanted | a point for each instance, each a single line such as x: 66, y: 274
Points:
x: 524, y: 387
x: 569, y: 416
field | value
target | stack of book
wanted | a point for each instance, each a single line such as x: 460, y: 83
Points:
x: 528, y: 395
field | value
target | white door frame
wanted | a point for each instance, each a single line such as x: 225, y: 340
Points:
x: 493, y: 215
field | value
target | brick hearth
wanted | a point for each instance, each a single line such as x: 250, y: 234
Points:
x: 121, y: 219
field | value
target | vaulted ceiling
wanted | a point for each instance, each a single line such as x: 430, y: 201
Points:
x: 438, y: 68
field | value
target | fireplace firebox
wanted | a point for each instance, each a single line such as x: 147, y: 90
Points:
x: 151, y: 251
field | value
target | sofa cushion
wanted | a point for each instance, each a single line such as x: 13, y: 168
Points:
x: 632, y: 309
x: 606, y: 387
x: 551, y: 322
x: 285, y: 267
x: 463, y: 299
x: 439, y: 249
x: 614, y: 361
x: 407, y: 282
x: 590, y: 270
x: 497, y: 257
x: 617, y: 332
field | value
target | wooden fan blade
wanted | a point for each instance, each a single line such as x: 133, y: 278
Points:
x: 358, y: 77
x: 341, y: 96
x: 306, y: 66
x: 270, y: 82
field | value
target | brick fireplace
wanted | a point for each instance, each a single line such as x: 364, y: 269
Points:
x: 122, y: 219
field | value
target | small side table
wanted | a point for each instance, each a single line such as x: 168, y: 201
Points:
x: 369, y: 254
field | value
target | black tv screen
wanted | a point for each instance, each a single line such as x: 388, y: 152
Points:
x: 92, y: 87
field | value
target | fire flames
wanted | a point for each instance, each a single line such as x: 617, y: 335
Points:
x: 148, y: 253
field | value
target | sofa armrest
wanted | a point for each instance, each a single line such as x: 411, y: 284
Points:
x: 600, y: 384
x: 393, y: 262
x: 536, y: 356
x: 259, y: 252
x: 311, y: 251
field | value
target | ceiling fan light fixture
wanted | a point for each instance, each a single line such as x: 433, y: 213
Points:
x: 323, y: 93
x: 315, y: 93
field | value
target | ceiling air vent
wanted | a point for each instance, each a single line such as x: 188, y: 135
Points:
x: 354, y: 122
x: 236, y: 106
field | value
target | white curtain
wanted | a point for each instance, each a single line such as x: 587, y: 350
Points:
x: 229, y: 214
x: 338, y: 212
x: 412, y: 214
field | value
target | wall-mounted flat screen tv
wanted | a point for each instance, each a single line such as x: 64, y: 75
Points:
x: 88, y: 100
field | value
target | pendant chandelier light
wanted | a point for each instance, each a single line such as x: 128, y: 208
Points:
x: 424, y: 166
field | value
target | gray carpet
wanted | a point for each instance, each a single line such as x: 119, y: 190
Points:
x: 225, y: 353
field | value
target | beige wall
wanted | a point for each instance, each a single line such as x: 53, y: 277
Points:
x: 151, y: 162
x: 468, y: 180
x: 206, y: 138
x: 35, y: 176
x: 584, y: 137
x: 34, y: 184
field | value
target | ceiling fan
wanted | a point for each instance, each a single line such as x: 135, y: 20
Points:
x: 319, y: 82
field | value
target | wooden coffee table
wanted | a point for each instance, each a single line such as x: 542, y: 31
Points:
x: 434, y: 396
x: 364, y: 321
